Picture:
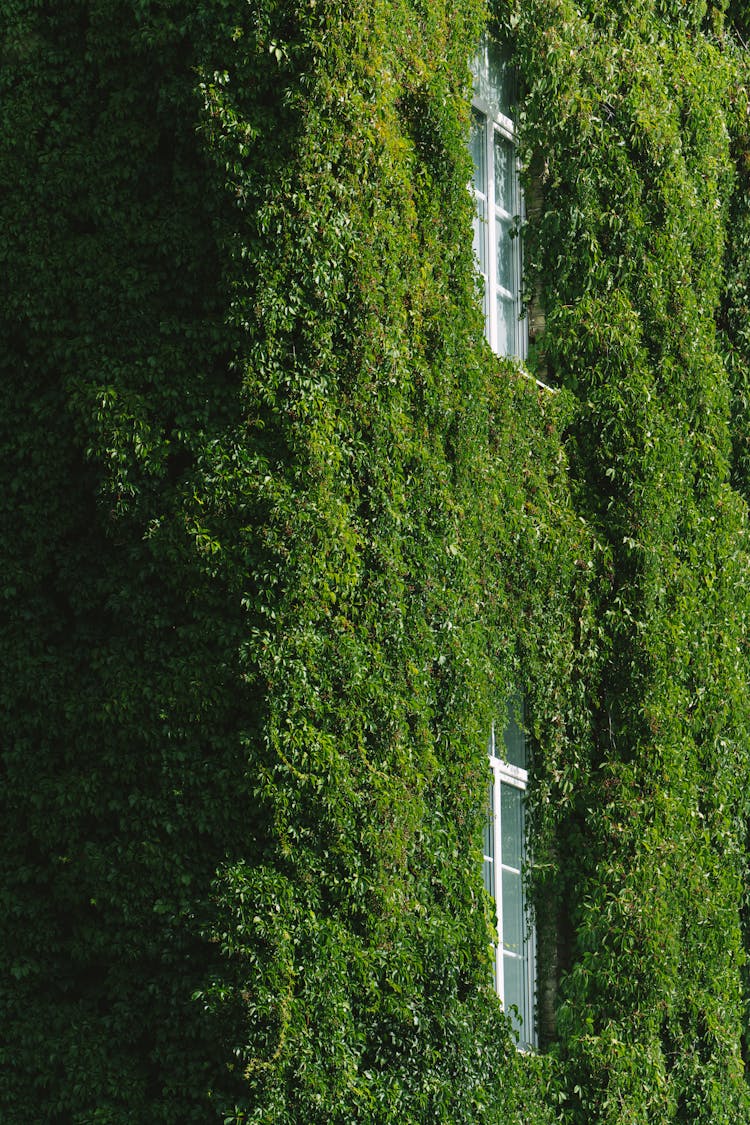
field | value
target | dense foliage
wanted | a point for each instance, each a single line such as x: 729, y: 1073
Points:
x: 282, y: 537
x: 630, y: 115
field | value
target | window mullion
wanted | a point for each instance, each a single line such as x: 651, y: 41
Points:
x: 491, y: 286
x: 498, y: 869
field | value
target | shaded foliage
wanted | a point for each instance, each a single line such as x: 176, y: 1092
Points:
x: 284, y: 537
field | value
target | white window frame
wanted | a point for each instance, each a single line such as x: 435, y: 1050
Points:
x: 505, y: 773
x: 487, y: 103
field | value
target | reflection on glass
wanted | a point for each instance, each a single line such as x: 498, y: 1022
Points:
x: 513, y: 736
x: 504, y: 250
x: 502, y: 75
x: 504, y: 174
x: 479, y: 150
x: 506, y: 327
x: 512, y: 911
x: 480, y: 236
x: 494, y: 78
x: 515, y: 994
x: 511, y: 822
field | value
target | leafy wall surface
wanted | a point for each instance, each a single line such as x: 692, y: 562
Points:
x: 282, y: 537
x: 629, y: 119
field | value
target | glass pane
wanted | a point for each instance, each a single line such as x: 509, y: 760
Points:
x: 512, y: 911
x: 513, y: 735
x: 505, y: 174
x: 514, y: 975
x: 479, y: 150
x: 488, y: 874
x: 505, y: 263
x: 506, y: 327
x: 501, y: 77
x: 511, y: 825
x: 494, y: 78
x: 480, y: 236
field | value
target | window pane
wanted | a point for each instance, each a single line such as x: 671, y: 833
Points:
x: 501, y: 78
x: 494, y: 78
x: 506, y: 327
x: 504, y: 254
x: 514, y: 738
x: 505, y: 251
x: 511, y: 824
x: 479, y: 150
x: 504, y: 174
x: 514, y: 973
x: 512, y: 908
x: 480, y: 236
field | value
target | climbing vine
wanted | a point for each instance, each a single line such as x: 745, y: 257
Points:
x: 285, y: 537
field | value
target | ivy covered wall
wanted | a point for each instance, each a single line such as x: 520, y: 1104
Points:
x: 632, y: 116
x: 282, y: 537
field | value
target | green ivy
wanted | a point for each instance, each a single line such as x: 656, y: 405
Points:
x: 629, y: 115
x: 283, y: 537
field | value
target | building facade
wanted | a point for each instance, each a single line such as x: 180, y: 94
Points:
x: 374, y: 434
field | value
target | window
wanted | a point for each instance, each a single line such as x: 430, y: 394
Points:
x: 499, y: 204
x: 504, y: 855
